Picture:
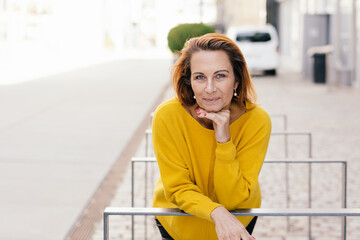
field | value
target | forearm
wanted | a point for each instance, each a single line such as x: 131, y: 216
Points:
x: 233, y: 184
x: 241, y: 170
x: 227, y: 226
x: 193, y: 202
x: 233, y: 189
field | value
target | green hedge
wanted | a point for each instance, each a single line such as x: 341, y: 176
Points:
x: 178, y: 35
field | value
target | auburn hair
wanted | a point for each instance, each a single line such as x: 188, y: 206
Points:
x: 212, y: 42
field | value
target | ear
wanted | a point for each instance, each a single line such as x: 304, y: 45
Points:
x: 236, y: 84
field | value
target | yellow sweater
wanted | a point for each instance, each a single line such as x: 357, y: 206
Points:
x: 199, y: 174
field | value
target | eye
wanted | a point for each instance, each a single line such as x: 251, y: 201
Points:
x: 200, y: 77
x: 220, y: 75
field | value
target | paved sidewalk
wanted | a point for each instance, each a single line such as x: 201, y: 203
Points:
x: 331, y: 115
x: 60, y: 135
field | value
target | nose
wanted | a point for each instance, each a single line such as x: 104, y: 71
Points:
x: 210, y: 86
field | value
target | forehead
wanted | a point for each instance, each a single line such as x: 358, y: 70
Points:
x: 210, y: 60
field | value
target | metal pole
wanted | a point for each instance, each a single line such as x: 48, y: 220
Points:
x: 310, y: 193
x: 146, y: 180
x: 106, y: 226
x: 145, y: 196
x: 344, y: 196
x: 132, y: 183
x: 287, y: 192
x: 310, y: 181
x: 287, y: 171
x: 132, y: 199
x: 278, y: 212
x: 345, y: 185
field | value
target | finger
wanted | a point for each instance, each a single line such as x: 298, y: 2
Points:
x: 201, y: 112
x: 247, y: 236
x: 225, y: 113
x: 217, y: 119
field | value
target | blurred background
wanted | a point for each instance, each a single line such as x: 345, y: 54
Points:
x: 43, y: 37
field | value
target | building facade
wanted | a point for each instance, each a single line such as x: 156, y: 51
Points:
x: 304, y: 24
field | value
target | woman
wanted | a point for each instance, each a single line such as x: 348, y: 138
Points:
x: 210, y: 143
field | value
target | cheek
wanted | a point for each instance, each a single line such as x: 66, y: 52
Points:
x: 196, y: 89
x: 230, y: 91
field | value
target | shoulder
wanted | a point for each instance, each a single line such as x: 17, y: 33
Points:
x: 172, y: 104
x: 168, y: 118
x: 257, y: 115
x: 168, y: 109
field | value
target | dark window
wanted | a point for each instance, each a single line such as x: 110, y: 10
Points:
x: 253, y: 37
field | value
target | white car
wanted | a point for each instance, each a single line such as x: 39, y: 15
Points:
x: 259, y: 45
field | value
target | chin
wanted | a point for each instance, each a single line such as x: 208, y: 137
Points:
x: 212, y: 108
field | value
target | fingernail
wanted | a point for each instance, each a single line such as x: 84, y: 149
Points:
x: 198, y: 114
x: 198, y: 110
x: 204, y: 114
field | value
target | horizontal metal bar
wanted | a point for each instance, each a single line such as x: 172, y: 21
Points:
x: 339, y: 212
x: 143, y: 159
x: 308, y: 160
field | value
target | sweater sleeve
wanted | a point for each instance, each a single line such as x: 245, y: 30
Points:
x: 174, y: 171
x: 241, y: 164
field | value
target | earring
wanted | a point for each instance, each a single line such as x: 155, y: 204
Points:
x: 235, y: 94
x: 194, y: 97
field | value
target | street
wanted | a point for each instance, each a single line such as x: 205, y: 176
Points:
x: 60, y: 135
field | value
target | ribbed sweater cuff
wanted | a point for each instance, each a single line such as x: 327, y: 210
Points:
x: 209, y: 210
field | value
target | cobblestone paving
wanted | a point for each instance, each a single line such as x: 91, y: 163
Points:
x: 331, y: 114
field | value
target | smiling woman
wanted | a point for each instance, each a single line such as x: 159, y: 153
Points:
x: 210, y: 143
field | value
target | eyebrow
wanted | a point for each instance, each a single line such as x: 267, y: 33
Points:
x: 223, y: 70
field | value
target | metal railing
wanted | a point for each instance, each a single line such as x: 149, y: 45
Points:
x: 263, y: 212
x: 284, y: 133
x: 267, y: 161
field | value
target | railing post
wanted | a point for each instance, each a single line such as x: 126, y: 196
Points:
x: 310, y: 182
x: 344, y: 198
x: 145, y: 197
x: 106, y: 226
x: 132, y: 199
x: 310, y: 193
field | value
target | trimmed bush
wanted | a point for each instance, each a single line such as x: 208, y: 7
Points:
x: 178, y: 35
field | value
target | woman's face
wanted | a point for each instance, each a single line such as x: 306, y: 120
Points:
x: 212, y: 80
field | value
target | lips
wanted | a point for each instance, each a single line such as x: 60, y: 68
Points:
x: 211, y: 99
